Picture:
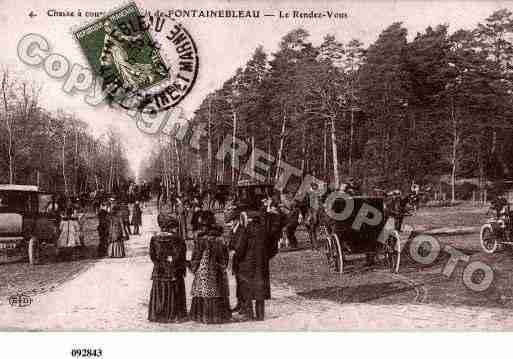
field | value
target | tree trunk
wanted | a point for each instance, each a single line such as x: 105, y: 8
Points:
x: 269, y: 153
x: 10, y: 127
x: 209, y: 154
x: 223, y: 169
x: 335, y: 154
x: 252, y: 153
x: 482, y: 180
x: 76, y: 163
x: 111, y: 168
x: 351, y: 135
x: 454, y: 153
x: 282, y: 142
x: 178, y: 178
x: 233, y: 146
x: 325, y: 151
x: 64, y: 163
x: 303, y: 149
x: 11, y: 157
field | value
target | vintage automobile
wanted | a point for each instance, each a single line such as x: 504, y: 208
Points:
x: 28, y: 219
x: 348, y: 235
x: 498, y: 230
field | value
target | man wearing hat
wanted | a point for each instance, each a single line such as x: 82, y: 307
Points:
x: 233, y: 219
x: 253, y: 251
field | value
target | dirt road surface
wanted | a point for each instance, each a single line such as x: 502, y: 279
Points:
x: 112, y: 294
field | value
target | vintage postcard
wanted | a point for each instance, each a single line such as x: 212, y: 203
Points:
x: 256, y: 166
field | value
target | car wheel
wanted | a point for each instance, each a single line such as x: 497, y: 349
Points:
x: 488, y: 239
x: 33, y: 251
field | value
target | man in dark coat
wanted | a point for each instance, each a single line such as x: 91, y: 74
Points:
x: 253, y: 251
x: 103, y: 230
x: 137, y: 217
x: 233, y: 216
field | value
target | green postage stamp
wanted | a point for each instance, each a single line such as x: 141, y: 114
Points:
x: 125, y: 48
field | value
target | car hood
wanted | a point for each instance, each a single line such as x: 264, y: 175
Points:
x: 10, y: 223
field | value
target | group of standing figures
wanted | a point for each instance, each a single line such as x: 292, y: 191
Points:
x: 253, y: 242
x: 114, y: 227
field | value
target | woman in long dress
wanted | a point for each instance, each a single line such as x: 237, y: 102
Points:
x: 117, y: 235
x: 103, y: 230
x: 167, y: 252
x: 70, y: 238
x: 210, y: 294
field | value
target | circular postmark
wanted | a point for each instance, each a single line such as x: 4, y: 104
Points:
x: 145, y: 62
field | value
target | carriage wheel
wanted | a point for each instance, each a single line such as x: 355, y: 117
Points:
x: 327, y: 246
x: 393, y: 252
x: 489, y: 241
x: 326, y: 243
x: 337, y: 257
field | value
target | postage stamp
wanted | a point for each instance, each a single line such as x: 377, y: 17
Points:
x: 146, y: 62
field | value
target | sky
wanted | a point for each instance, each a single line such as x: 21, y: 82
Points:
x: 223, y: 44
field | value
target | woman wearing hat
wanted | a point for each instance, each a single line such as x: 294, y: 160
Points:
x: 70, y: 235
x: 167, y: 252
x: 210, y: 302
x: 117, y: 235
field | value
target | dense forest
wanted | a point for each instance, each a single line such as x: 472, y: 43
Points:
x: 55, y: 151
x: 436, y: 107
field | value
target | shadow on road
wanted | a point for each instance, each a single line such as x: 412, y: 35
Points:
x: 363, y: 293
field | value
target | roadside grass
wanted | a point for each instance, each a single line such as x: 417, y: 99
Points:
x: 455, y: 216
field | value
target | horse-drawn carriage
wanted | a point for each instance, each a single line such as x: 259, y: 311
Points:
x: 346, y: 226
x: 353, y: 225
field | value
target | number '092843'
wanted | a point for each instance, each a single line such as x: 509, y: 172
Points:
x: 86, y: 353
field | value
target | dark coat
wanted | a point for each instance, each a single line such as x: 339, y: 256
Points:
x: 125, y: 212
x: 253, y: 250
x: 209, y: 240
x: 103, y: 223
x: 234, y: 237
x: 137, y: 215
x: 162, y: 246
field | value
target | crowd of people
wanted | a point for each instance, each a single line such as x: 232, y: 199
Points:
x: 115, y: 220
x: 252, y: 240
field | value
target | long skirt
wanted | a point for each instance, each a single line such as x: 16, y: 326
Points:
x: 116, y: 249
x: 215, y: 310
x: 102, y: 244
x: 209, y: 310
x: 167, y: 301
